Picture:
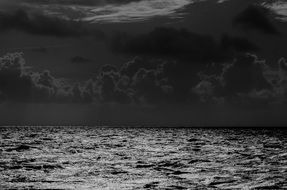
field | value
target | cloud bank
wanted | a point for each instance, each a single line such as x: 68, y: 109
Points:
x: 244, y: 81
x: 19, y: 83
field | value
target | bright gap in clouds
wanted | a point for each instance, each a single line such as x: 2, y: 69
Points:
x: 112, y: 12
x: 279, y: 7
x: 134, y: 11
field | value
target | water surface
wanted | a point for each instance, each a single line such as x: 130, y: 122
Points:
x: 142, y: 158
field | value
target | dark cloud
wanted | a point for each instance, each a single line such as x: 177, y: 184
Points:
x: 109, y: 92
x: 237, y: 44
x: 170, y: 42
x: 40, y: 24
x: 8, y: 4
x: 133, y: 66
x: 244, y: 75
x: 245, y: 80
x: 40, y: 49
x: 255, y: 18
x: 182, y: 44
x: 109, y: 68
x: 19, y: 83
x: 150, y: 87
x: 146, y: 81
x: 81, y: 60
x: 13, y: 83
x: 185, y: 54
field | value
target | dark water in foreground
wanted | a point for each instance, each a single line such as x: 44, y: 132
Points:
x: 139, y: 158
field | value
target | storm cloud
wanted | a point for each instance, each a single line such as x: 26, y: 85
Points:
x: 182, y: 44
x: 80, y: 60
x: 19, y: 83
x: 40, y: 24
x: 255, y: 18
x: 244, y: 80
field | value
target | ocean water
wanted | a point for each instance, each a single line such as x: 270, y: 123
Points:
x: 142, y: 158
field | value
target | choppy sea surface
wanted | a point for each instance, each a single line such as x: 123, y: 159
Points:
x: 142, y: 158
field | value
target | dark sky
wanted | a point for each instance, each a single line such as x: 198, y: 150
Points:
x: 165, y: 62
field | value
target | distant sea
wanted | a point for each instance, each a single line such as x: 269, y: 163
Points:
x: 142, y: 158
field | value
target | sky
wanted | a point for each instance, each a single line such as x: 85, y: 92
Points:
x: 143, y: 62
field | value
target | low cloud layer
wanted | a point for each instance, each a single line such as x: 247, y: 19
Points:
x: 244, y: 81
x: 247, y: 80
x: 19, y: 83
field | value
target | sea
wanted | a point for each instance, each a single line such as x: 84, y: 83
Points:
x: 91, y: 158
